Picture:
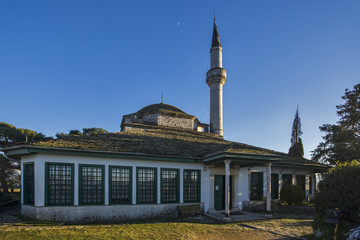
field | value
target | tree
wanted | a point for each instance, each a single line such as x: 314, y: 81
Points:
x: 342, y: 140
x: 8, y: 170
x: 75, y: 132
x: 296, y: 149
x: 10, y: 135
x: 86, y: 131
x: 93, y: 131
x: 336, y: 192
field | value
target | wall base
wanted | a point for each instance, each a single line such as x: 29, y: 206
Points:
x: 100, y: 213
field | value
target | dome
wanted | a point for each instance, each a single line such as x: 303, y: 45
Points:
x: 158, y: 108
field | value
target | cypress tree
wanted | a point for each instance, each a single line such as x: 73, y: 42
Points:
x: 296, y: 149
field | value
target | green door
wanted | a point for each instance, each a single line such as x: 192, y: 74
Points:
x: 220, y: 192
x: 300, y: 181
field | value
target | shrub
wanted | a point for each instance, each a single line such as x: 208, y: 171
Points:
x: 341, y: 189
x: 291, y: 194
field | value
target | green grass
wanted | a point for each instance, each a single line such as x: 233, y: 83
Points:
x: 177, y: 229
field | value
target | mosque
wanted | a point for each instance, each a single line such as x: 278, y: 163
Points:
x: 162, y: 158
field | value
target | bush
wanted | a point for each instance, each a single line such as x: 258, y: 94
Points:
x: 291, y: 194
x: 341, y: 189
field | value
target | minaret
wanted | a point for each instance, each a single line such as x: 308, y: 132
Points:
x: 216, y: 78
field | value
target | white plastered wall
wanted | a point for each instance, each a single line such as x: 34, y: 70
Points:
x: 39, y: 169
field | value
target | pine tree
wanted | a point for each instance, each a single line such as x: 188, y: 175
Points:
x: 296, y: 149
x: 342, y: 140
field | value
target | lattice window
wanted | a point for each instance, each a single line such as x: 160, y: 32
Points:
x: 120, y: 185
x: 91, y: 184
x: 191, y: 186
x: 169, y: 185
x: 60, y: 184
x: 146, y: 185
x: 29, y: 183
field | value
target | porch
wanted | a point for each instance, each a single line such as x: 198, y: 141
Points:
x: 237, y: 183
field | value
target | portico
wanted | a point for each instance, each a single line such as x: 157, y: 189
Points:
x: 237, y: 181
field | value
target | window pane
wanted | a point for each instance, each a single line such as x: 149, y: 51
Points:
x: 91, y: 185
x: 29, y: 184
x: 60, y: 184
x: 169, y: 185
x: 146, y: 185
x: 120, y: 185
x: 191, y: 186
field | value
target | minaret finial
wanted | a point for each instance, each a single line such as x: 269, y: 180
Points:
x: 162, y: 97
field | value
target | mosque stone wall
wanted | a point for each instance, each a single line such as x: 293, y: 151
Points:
x: 177, y: 122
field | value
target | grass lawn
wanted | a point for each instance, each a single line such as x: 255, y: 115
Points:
x: 177, y: 229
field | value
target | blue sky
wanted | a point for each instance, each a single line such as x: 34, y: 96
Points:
x: 74, y: 64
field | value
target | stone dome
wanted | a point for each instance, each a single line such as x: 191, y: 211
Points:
x: 159, y: 107
x: 163, y: 115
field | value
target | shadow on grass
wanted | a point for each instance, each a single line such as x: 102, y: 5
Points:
x: 199, y: 219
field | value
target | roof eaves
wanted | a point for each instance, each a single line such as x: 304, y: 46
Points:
x: 29, y: 149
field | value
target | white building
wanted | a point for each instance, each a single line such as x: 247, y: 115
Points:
x: 162, y: 158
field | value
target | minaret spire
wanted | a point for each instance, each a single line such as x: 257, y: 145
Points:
x: 216, y: 37
x: 216, y: 78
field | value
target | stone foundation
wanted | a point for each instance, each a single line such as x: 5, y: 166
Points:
x: 100, y: 213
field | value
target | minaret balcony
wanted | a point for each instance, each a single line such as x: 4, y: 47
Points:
x: 216, y: 75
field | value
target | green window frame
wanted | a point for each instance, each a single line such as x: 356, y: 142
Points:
x: 120, y: 185
x: 29, y: 183
x: 170, y: 185
x: 192, y: 186
x: 91, y: 184
x: 59, y: 184
x: 146, y: 185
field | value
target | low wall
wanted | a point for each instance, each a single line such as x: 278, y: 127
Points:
x: 100, y: 213
x: 259, y: 206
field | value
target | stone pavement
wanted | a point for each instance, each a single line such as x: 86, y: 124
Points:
x: 235, y: 216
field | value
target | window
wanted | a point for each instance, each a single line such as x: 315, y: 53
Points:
x: 310, y: 185
x: 59, y: 184
x: 287, y: 179
x: 29, y: 184
x: 169, y: 185
x: 120, y: 185
x: 256, y: 186
x: 91, y: 179
x: 192, y: 186
x: 146, y: 185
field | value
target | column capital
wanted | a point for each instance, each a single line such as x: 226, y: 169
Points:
x: 227, y: 161
x: 269, y: 164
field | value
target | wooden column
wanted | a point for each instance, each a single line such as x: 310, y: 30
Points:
x: 227, y: 187
x: 268, y: 186
x: 307, y: 188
